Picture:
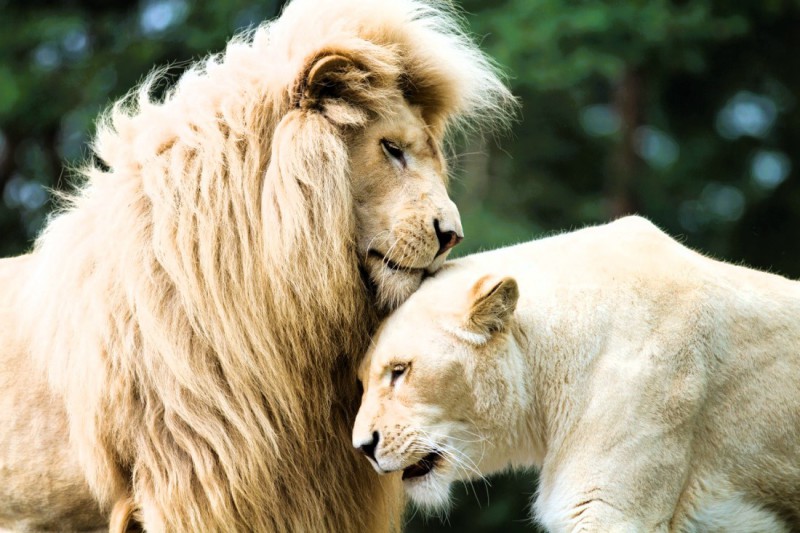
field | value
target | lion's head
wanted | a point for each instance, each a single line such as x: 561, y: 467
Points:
x: 405, y: 222
x: 382, y: 153
x: 437, y: 395
x: 366, y: 128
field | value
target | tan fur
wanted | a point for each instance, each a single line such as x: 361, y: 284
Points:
x: 185, y: 330
x: 122, y: 515
x: 654, y: 388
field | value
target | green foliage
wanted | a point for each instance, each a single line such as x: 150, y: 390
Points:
x: 683, y: 111
x: 565, y: 43
x: 61, y: 63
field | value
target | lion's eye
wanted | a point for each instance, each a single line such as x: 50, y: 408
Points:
x: 398, y: 370
x: 393, y: 151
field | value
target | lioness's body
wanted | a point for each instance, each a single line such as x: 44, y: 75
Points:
x: 657, y: 389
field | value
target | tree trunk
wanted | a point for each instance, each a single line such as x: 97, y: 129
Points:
x: 625, y: 163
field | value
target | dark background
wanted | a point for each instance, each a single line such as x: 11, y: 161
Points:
x: 684, y: 111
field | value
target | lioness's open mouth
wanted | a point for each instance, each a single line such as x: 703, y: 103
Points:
x: 422, y: 467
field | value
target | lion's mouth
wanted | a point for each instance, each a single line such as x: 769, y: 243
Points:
x: 423, y: 467
x: 392, y: 265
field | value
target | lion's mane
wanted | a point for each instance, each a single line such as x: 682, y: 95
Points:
x: 200, y: 292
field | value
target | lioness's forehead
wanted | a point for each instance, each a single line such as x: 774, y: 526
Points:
x: 383, y: 349
x: 417, y: 329
x: 364, y: 367
x: 400, y: 340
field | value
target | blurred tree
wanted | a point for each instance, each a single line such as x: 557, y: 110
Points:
x: 682, y: 110
x: 62, y: 62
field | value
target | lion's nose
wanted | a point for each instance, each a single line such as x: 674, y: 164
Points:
x: 368, y: 448
x: 447, y: 238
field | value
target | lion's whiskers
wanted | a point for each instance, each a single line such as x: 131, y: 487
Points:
x: 372, y: 240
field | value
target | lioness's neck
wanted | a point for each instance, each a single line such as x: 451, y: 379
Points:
x: 548, y: 379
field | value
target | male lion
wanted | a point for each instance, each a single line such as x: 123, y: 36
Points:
x: 182, y: 338
x: 655, y: 388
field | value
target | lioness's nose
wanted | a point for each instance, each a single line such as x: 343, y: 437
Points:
x: 368, y: 448
x: 447, y: 238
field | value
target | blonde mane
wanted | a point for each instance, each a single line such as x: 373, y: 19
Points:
x: 201, y: 291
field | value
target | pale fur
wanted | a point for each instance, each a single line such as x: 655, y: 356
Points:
x: 654, y: 388
x: 181, y: 341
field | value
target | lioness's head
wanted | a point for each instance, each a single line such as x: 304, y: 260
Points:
x: 437, y: 399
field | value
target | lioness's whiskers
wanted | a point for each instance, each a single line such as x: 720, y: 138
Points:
x: 459, y: 459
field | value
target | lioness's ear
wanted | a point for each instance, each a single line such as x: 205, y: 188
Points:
x: 325, y: 77
x: 493, y: 303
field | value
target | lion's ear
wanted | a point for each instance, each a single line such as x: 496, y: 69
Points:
x: 325, y: 77
x: 492, y: 304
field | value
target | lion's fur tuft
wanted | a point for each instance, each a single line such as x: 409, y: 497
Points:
x: 201, y: 294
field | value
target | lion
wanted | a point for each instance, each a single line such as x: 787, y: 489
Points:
x: 181, y: 341
x: 654, y: 388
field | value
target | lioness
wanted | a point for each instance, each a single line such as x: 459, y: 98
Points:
x: 655, y: 388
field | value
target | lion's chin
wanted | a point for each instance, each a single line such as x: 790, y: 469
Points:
x: 391, y: 284
x: 393, y: 287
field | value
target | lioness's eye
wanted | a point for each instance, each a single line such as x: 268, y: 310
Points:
x: 398, y: 370
x: 393, y: 151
